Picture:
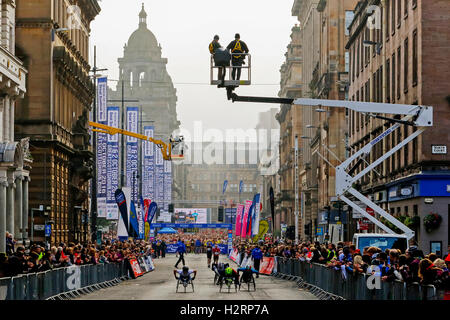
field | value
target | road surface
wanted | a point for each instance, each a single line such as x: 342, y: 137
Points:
x: 160, y: 285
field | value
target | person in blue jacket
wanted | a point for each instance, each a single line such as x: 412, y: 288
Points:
x: 181, y: 250
x: 257, y: 255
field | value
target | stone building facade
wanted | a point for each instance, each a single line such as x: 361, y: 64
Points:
x: 290, y: 120
x: 322, y: 132
x: 410, y: 67
x: 52, y: 37
x: 269, y: 164
x: 14, y: 158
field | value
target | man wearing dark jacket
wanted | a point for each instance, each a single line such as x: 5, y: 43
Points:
x: 257, y: 256
x: 181, y: 250
x: 214, y: 46
x: 237, y: 46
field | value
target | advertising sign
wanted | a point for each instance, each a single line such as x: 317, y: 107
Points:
x: 239, y: 213
x: 101, y: 148
x: 191, y: 215
x: 132, y: 152
x: 112, y: 165
x: 148, y: 165
x: 248, y: 204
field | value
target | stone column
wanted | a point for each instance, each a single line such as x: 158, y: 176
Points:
x: 25, y: 208
x: 18, y: 219
x: 10, y: 204
x: 3, y: 186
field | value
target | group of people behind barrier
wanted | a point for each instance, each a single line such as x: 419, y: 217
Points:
x: 37, y: 258
x: 409, y: 266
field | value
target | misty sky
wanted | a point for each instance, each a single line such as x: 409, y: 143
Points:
x: 184, y: 28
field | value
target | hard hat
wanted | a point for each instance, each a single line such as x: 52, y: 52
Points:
x: 228, y: 271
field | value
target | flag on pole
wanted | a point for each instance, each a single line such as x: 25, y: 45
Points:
x: 225, y: 184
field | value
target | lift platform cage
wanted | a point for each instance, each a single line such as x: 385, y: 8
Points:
x: 222, y: 62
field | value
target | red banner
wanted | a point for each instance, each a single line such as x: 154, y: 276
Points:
x: 135, y: 268
x: 267, y: 265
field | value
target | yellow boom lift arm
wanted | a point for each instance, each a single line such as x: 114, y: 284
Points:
x: 166, y: 150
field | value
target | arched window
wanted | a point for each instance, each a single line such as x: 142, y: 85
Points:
x: 141, y: 79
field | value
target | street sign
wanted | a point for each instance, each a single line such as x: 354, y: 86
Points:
x: 319, y: 231
x: 370, y: 211
x: 39, y: 227
x: 48, y: 230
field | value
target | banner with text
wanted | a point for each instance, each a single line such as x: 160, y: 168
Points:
x: 132, y: 152
x: 148, y: 165
x: 101, y: 147
x: 112, y: 165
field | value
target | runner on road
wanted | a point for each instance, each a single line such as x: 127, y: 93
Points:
x: 216, y: 253
x: 209, y: 250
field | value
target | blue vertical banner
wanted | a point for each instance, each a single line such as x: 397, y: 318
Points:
x: 132, y: 152
x: 159, y: 178
x: 225, y: 184
x: 241, y: 185
x: 256, y: 214
x: 167, y: 184
x: 102, y: 99
x: 230, y: 215
x: 112, y: 165
x: 148, y: 165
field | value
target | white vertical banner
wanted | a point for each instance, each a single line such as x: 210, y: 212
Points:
x: 148, y: 166
x: 132, y: 151
x: 112, y: 165
x: 102, y: 84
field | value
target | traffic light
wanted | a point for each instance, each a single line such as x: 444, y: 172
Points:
x: 220, y: 214
x: 171, y: 208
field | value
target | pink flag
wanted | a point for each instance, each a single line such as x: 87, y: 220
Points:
x: 248, y: 204
x: 239, y: 211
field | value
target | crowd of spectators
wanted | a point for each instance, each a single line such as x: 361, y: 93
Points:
x: 20, y: 260
x: 409, y: 266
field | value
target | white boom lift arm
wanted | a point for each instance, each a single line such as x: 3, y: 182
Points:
x: 414, y: 115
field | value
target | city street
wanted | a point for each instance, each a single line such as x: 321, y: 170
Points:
x: 160, y: 285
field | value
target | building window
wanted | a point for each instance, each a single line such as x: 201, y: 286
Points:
x: 399, y: 210
x: 399, y: 70
x: 362, y: 51
x: 399, y: 13
x: 405, y: 5
x: 406, y: 147
x: 358, y: 58
x: 353, y: 62
x: 349, y: 14
x: 415, y: 58
x: 406, y: 210
x: 415, y: 210
x: 406, y: 63
x: 393, y: 77
x: 374, y: 87
x: 388, y: 82
x: 393, y: 17
x: 380, y: 85
x: 414, y: 4
x: 388, y: 11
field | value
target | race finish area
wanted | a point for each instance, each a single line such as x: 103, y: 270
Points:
x: 161, y: 284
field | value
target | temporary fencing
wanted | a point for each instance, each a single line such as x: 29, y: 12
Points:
x: 43, y: 285
x: 354, y: 286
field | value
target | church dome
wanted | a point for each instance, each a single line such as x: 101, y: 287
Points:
x: 142, y: 39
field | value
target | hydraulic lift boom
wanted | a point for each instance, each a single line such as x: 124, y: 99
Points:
x: 166, y: 150
x: 414, y: 115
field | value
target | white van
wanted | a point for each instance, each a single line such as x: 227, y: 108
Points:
x: 381, y: 240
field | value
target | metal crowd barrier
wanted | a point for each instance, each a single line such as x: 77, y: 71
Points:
x: 43, y: 285
x: 354, y: 286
